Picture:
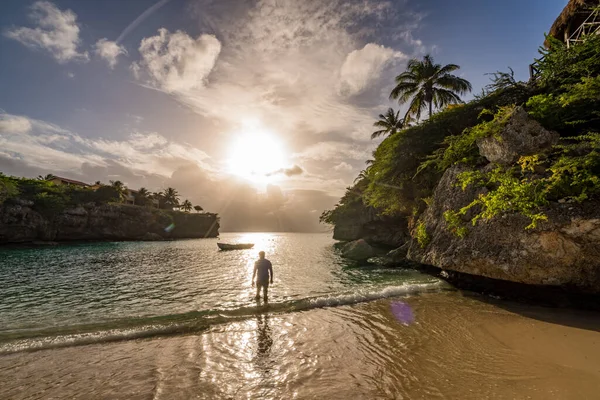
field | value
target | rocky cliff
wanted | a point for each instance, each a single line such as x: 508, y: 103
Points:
x: 19, y: 223
x: 562, y: 250
x: 364, y: 223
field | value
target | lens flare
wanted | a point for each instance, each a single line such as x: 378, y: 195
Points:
x: 403, y: 312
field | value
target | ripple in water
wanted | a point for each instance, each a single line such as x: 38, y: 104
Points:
x: 86, y: 293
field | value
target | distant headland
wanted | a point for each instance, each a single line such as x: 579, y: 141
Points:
x: 56, y: 209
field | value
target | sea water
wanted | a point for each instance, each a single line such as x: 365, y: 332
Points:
x: 106, y: 291
x: 177, y: 320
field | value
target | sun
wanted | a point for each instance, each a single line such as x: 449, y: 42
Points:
x: 257, y: 155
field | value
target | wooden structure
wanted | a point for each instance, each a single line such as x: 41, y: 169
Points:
x: 577, y: 20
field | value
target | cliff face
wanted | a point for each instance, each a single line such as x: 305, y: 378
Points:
x: 22, y: 224
x: 565, y: 250
x: 365, y: 224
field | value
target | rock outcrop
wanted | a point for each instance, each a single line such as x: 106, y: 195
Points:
x: 376, y: 230
x: 562, y: 251
x: 21, y: 224
x: 522, y: 136
x: 358, y: 250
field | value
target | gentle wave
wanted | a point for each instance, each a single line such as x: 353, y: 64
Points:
x: 192, y: 322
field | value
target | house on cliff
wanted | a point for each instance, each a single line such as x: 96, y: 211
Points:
x: 577, y: 19
x: 57, y: 180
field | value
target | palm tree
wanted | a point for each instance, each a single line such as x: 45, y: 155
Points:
x: 119, y: 188
x: 390, y: 124
x: 428, y: 85
x: 142, y: 196
x: 198, y: 208
x: 46, y: 177
x: 158, y: 196
x: 171, y: 197
x: 187, y: 206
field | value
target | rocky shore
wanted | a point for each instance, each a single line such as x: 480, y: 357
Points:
x: 558, y: 260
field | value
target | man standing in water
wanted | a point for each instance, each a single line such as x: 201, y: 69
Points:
x: 263, y: 269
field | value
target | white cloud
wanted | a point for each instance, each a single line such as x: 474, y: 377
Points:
x: 343, y: 167
x: 71, y: 75
x: 177, y: 62
x: 56, y: 32
x: 14, y: 124
x: 44, y: 145
x: 292, y: 65
x: 109, y: 51
x: 364, y: 66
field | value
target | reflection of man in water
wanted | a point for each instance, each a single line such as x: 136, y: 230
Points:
x: 262, y: 270
x: 264, y: 340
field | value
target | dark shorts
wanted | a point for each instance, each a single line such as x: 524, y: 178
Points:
x: 260, y: 284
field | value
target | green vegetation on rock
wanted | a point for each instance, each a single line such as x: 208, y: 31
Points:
x: 565, y: 98
x: 50, y: 199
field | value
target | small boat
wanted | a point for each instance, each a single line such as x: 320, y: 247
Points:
x: 236, y: 246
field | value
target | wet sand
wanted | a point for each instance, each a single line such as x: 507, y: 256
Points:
x: 459, y: 347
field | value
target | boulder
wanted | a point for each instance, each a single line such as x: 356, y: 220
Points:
x: 397, y: 257
x: 358, y: 250
x: 521, y: 136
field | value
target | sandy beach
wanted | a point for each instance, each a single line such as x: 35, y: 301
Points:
x: 459, y: 346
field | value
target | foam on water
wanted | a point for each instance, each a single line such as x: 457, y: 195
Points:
x: 192, y: 322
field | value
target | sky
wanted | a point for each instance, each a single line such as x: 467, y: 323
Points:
x: 260, y: 110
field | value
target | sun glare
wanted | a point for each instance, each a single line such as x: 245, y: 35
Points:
x: 257, y: 155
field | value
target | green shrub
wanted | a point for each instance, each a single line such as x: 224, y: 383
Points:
x: 350, y: 205
x: 420, y: 233
x: 49, y: 204
x: 561, y: 66
x: 8, y: 188
x: 463, y: 148
x: 573, y: 111
x: 455, y: 224
x: 572, y: 173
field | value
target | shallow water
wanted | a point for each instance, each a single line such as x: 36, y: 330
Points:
x: 106, y: 291
x: 176, y: 320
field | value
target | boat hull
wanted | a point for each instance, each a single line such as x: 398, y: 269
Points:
x: 237, y: 246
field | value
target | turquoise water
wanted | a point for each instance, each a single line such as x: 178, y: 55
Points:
x: 87, y: 293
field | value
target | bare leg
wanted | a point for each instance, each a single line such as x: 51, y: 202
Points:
x: 265, y: 290
x: 257, y: 291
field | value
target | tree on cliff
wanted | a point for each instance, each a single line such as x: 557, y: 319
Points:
x: 171, y: 197
x: 187, y: 206
x: 389, y: 123
x: 428, y: 85
x: 119, y: 188
x: 198, y: 208
x: 142, y: 197
x: 46, y: 177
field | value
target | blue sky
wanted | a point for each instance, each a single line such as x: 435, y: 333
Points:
x: 312, y: 74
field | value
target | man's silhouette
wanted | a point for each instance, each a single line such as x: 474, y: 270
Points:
x: 263, y: 271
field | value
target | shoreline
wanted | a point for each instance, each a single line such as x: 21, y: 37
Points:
x: 460, y: 346
x: 536, y: 295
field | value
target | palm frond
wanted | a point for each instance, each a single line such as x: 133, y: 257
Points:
x: 376, y: 134
x: 454, y: 83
